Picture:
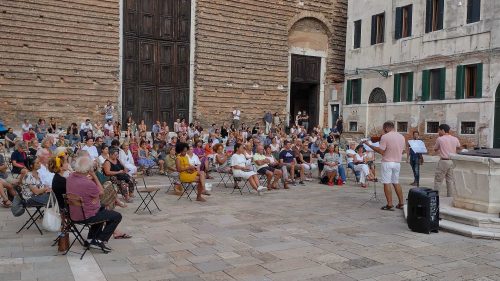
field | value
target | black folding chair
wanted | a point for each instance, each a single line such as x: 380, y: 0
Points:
x: 172, y: 180
x: 33, y: 215
x: 245, y: 185
x: 188, y: 189
x: 148, y: 197
x: 73, y: 200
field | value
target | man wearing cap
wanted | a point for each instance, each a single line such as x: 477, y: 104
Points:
x: 287, y: 158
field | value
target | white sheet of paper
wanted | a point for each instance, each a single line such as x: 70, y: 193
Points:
x: 367, y: 148
x: 418, y: 146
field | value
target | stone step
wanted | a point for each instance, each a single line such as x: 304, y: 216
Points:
x: 467, y: 217
x: 469, y: 231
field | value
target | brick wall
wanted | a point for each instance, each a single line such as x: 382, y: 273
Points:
x: 58, y: 59
x: 242, y: 54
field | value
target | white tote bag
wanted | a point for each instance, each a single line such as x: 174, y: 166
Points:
x: 51, y: 216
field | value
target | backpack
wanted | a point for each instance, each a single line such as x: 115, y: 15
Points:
x: 17, y: 207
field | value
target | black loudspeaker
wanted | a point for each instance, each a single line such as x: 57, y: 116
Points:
x: 423, y: 210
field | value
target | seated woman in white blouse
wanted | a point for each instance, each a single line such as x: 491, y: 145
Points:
x: 361, y: 166
x: 242, y: 170
x: 127, y: 160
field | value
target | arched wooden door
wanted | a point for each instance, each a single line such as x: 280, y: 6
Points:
x: 156, y: 60
x: 496, y: 126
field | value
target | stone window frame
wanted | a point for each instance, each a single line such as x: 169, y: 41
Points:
x: 402, y: 122
x: 465, y: 133
x: 427, y: 128
x: 350, y: 126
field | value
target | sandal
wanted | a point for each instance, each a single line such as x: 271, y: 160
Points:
x: 400, y: 206
x: 387, y: 208
x: 121, y: 204
x: 6, y: 203
x: 123, y: 236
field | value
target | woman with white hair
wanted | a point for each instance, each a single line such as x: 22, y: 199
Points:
x: 85, y: 184
x: 127, y: 159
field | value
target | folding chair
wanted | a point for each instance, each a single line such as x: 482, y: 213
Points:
x: 225, y: 178
x: 150, y: 193
x: 33, y: 216
x: 245, y: 184
x: 263, y: 180
x: 189, y: 187
x: 171, y: 180
x: 77, y: 202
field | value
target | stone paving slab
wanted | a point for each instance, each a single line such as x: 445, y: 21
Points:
x: 313, y: 232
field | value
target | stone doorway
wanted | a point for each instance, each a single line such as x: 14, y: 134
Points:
x: 305, y: 88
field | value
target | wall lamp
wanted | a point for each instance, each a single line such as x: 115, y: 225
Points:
x: 383, y: 72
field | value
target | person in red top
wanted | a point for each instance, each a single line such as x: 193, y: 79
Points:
x: 84, y: 183
x: 446, y: 144
x: 392, y: 145
x: 29, y: 135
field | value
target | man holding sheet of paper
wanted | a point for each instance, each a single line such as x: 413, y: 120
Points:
x: 414, y: 156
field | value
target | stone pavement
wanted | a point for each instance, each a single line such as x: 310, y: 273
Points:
x: 312, y: 232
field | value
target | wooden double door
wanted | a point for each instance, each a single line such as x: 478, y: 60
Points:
x: 156, y: 60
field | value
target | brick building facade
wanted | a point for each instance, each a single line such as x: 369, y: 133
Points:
x: 65, y: 58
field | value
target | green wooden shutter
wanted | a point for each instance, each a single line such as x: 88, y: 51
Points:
x: 441, y: 14
x: 410, y: 86
x: 374, y: 30
x: 399, y: 23
x: 442, y: 83
x: 358, y: 92
x: 425, y: 85
x: 479, y: 81
x: 348, y: 93
x: 460, y: 82
x: 397, y: 88
x: 410, y: 20
x: 428, y: 16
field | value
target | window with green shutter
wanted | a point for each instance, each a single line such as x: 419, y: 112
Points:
x: 470, y: 81
x: 403, y: 87
x: 356, y: 91
x: 434, y: 15
x: 403, y: 22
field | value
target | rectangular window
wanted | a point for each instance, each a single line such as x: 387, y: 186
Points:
x: 469, y: 83
x: 378, y: 26
x: 353, y: 91
x: 353, y: 126
x: 402, y: 127
x: 403, y: 22
x: 432, y: 127
x: 473, y: 11
x: 434, y: 15
x: 357, y: 34
x: 403, y: 87
x: 468, y: 128
x: 435, y: 82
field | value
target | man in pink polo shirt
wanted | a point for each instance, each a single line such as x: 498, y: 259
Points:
x: 446, y: 144
x: 391, y: 148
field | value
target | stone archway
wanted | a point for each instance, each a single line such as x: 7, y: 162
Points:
x: 377, y: 96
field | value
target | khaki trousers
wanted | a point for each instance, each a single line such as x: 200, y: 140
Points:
x: 444, y: 170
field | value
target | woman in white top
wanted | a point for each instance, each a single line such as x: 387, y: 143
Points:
x: 242, y: 170
x: 361, y: 166
x: 91, y: 149
x: 127, y: 160
x: 194, y: 160
x: 104, y: 154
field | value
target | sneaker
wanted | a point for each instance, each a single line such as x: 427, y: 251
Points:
x: 301, y: 183
x: 96, y: 244
x: 294, y: 183
x: 261, y: 188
